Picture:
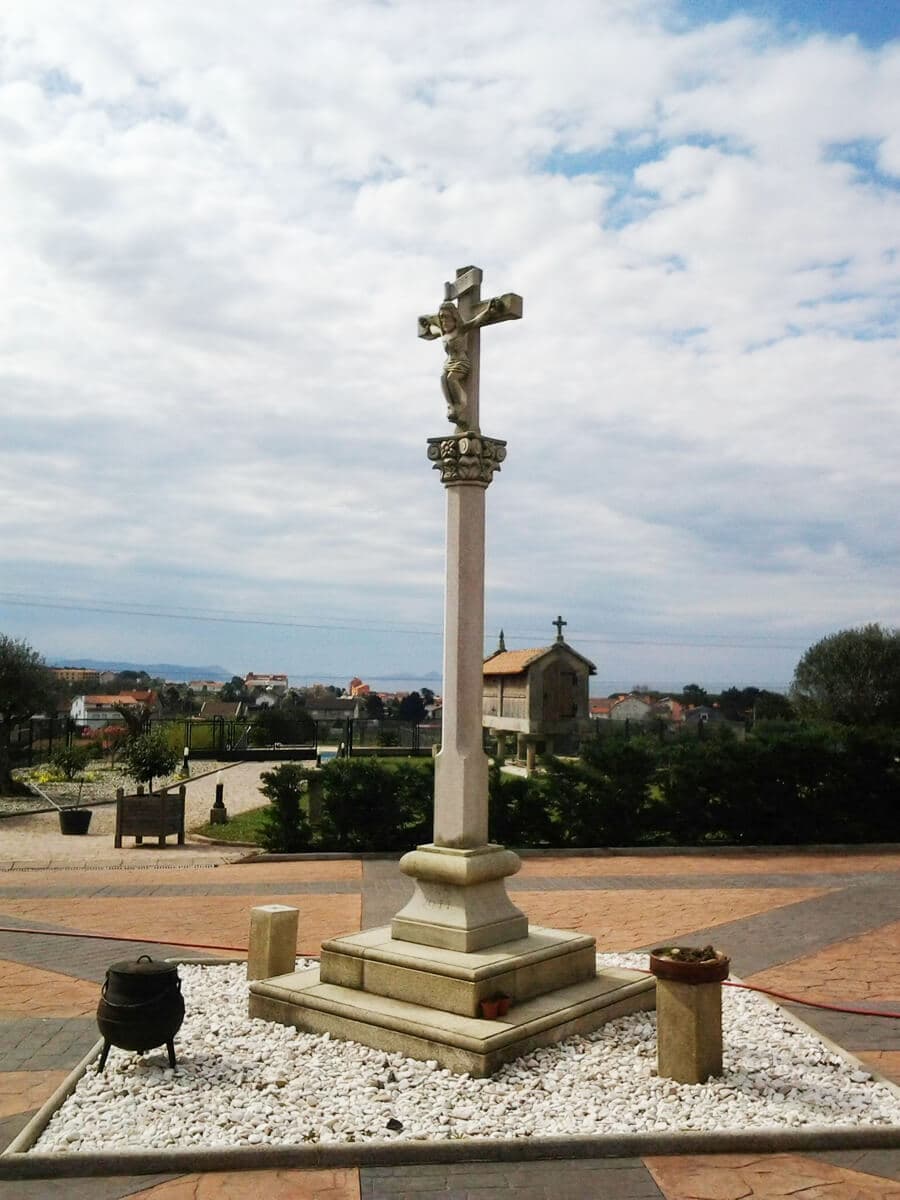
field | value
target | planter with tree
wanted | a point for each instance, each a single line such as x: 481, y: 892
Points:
x: 145, y: 758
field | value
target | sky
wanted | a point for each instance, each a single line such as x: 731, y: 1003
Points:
x: 220, y: 223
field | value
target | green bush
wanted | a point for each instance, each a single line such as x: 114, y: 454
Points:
x: 285, y: 828
x: 372, y: 805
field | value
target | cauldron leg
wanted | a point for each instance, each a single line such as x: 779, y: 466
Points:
x: 170, y: 1046
x: 103, y: 1055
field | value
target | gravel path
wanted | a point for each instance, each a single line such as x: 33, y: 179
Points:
x: 36, y: 840
x: 243, y: 1082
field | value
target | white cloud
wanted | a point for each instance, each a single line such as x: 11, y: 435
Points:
x: 221, y: 224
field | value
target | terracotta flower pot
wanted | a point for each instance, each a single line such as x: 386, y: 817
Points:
x: 710, y: 970
x: 489, y: 1009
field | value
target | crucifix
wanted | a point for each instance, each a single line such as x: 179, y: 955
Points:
x: 459, y: 325
x: 460, y: 901
x: 559, y: 623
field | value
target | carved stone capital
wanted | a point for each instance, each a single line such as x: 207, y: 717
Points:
x: 466, y: 458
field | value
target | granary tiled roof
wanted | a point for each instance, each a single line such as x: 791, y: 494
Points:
x: 514, y: 662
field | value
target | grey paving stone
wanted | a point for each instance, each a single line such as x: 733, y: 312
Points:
x: 853, y: 1032
x: 384, y: 892
x: 12, y: 1126
x: 885, y: 1163
x: 115, y: 890
x: 81, y: 958
x: 626, y: 883
x: 45, y: 1043
x: 795, y: 930
x: 557, y: 1180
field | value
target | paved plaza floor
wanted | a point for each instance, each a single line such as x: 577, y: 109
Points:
x: 822, y: 926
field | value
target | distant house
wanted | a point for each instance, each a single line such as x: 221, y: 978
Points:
x: 358, y: 688
x: 265, y: 690
x: 630, y: 708
x: 95, y: 711
x: 336, y: 708
x: 81, y: 675
x: 702, y: 713
x: 600, y: 707
x: 668, y: 709
x: 210, y: 687
x: 539, y: 696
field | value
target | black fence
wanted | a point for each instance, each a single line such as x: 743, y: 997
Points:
x: 36, y: 740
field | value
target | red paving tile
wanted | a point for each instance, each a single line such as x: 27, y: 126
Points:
x: 27, y: 991
x: 885, y: 1061
x: 862, y: 968
x: 315, y: 871
x: 708, y: 864
x: 251, y: 1185
x: 21, y: 1091
x: 735, y: 1176
x: 200, y: 920
x: 622, y: 920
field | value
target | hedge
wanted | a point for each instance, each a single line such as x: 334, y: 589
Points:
x: 781, y: 786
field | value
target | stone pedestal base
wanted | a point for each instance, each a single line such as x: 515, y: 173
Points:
x: 218, y: 816
x: 689, y: 1030
x: 460, y: 902
x: 463, y: 1044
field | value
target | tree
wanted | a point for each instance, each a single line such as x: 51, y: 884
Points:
x: 694, y: 694
x: 427, y: 695
x: 287, y: 721
x: 135, y: 717
x: 234, y: 690
x: 412, y: 708
x: 851, y: 677
x: 374, y: 705
x: 148, y: 757
x: 26, y: 686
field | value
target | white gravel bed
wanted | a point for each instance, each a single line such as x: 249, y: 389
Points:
x: 242, y: 1082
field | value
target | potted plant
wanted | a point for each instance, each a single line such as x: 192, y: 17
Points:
x: 73, y: 819
x: 495, y: 1006
x: 689, y: 964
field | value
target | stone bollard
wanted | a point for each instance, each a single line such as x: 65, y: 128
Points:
x: 218, y: 814
x: 273, y: 941
x: 688, y: 1017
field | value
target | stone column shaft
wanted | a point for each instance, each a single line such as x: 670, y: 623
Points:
x: 461, y: 767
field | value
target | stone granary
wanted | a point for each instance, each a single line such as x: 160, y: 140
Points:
x: 539, y: 696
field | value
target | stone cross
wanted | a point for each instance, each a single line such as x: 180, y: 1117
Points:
x: 460, y: 901
x: 559, y: 623
x: 459, y: 325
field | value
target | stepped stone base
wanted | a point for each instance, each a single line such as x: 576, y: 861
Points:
x: 421, y: 1001
x: 541, y: 961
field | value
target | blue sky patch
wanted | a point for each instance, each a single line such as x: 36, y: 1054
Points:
x: 873, y: 22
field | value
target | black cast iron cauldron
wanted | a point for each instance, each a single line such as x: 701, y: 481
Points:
x: 140, y: 1006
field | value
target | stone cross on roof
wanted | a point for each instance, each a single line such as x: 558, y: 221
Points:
x: 559, y: 623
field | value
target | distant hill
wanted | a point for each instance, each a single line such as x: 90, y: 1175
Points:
x: 177, y: 672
